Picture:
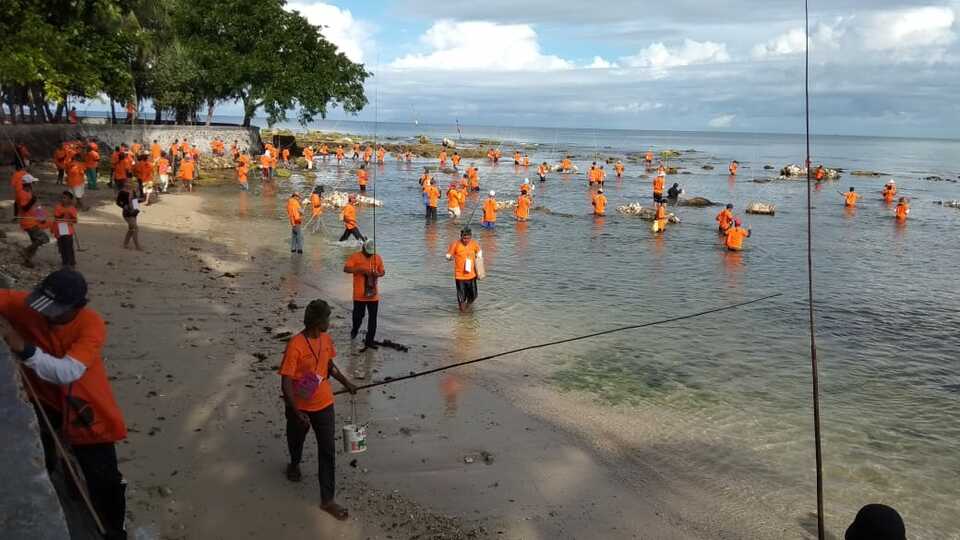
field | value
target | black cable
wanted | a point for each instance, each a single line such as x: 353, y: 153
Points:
x: 813, y: 339
x: 562, y: 341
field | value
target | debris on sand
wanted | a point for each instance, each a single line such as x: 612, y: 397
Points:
x: 644, y: 213
x: 796, y: 171
x: 340, y: 199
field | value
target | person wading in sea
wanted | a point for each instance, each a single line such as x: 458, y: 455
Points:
x: 465, y: 253
x: 367, y: 269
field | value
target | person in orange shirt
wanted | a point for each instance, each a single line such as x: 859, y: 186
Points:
x: 735, y: 236
x: 542, y: 171
x: 305, y: 374
x: 235, y: 150
x: 163, y: 171
x: 266, y: 165
x: 316, y: 208
x: 308, y: 156
x: 526, y: 188
x: 339, y: 154
x: 72, y: 116
x: 356, y: 151
x: 889, y: 192
x: 489, y: 212
x: 442, y: 158
x: 819, y: 174
x: 649, y: 158
x: 592, y: 174
x: 175, y: 156
x: 466, y: 256
x: 522, y: 212
x: 618, y: 168
x: 143, y: 171
x: 660, y: 218
x: 902, y: 210
x: 381, y: 154
x: 659, y: 182
x: 473, y: 175
x: 516, y: 157
x: 155, y: 151
x: 725, y: 219
x: 599, y: 203
x: 349, y: 218
x: 62, y: 226
x: 851, y: 197
x: 453, y: 201
x: 243, y: 172
x: 497, y: 154
x: 91, y: 163
x: 135, y: 149
x: 367, y: 154
x: 601, y: 176
x: 324, y: 151
x: 367, y: 268
x: 76, y: 170
x: 566, y: 165
x: 526, y: 160
x: 32, y: 217
x: 362, y: 177
x: 121, y: 170
x: 455, y: 159
x: 186, y: 172
x: 59, y: 161
x: 286, y: 157
x: 734, y: 165
x: 407, y: 155
x: 59, y: 342
x: 432, y: 193
x: 296, y: 220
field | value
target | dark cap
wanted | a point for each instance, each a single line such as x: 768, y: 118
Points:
x: 466, y: 231
x: 59, y: 293
x: 876, y: 522
x: 316, y: 311
x: 729, y: 205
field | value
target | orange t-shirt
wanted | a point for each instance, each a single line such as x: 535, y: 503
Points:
x: 725, y: 218
x: 92, y: 159
x: 455, y: 159
x: 362, y: 177
x: 308, y: 154
x: 433, y: 196
x: 889, y: 194
x: 143, y: 170
x: 349, y: 217
x: 163, y: 166
x: 154, y: 152
x: 121, y: 169
x: 850, y: 198
x: 286, y: 154
x: 902, y: 210
x: 99, y: 419
x: 242, y: 172
x: 358, y: 263
x: 541, y: 170
x: 567, y: 164
x: 490, y: 210
x: 733, y: 169
x: 75, y: 172
x: 135, y: 149
x: 293, y: 211
x: 649, y: 157
x: 599, y: 204
x: 453, y: 198
x: 186, y: 170
x: 619, y: 168
x: 658, y: 184
x: 65, y: 215
x: 266, y: 161
x: 310, y: 357
x: 523, y: 207
x: 735, y: 237
x: 316, y: 205
x: 464, y: 259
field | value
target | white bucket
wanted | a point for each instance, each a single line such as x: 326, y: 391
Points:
x: 354, y: 439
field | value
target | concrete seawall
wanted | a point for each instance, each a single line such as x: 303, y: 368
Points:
x: 29, y: 507
x: 43, y: 139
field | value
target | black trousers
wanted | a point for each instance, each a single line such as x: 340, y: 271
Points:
x: 347, y: 233
x: 466, y: 290
x: 323, y: 423
x: 65, y: 246
x: 98, y: 463
x: 431, y: 213
x: 370, y: 308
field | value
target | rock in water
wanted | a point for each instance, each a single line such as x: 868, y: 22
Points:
x: 764, y: 209
x: 448, y: 143
x: 644, y: 213
x: 339, y: 199
x: 796, y: 171
x: 698, y: 202
x: 865, y: 173
x: 768, y: 167
x: 708, y: 167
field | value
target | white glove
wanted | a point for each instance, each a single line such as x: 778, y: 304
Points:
x: 448, y: 256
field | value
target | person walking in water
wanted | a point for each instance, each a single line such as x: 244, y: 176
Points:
x: 850, y: 198
x: 349, y: 218
x: 599, y: 203
x: 432, y: 194
x: 489, y: 212
x: 673, y: 194
x: 902, y: 210
x: 305, y: 375
x: 296, y: 219
x: 725, y: 219
x: 733, y: 240
x: 522, y: 212
x: 367, y: 268
x: 465, y: 254
x: 889, y: 192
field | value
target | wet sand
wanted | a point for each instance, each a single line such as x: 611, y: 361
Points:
x: 194, y: 369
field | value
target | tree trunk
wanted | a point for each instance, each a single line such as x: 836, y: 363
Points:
x: 113, y: 113
x: 249, y: 108
x: 58, y: 114
x: 157, y: 114
x: 210, y: 104
x: 41, y: 104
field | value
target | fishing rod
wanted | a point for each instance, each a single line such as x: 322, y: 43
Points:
x: 815, y: 378
x: 561, y: 342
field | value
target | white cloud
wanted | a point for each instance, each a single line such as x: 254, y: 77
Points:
x: 351, y: 36
x: 722, y: 121
x: 659, y: 56
x: 908, y: 28
x: 480, y: 45
x: 637, y: 107
x: 600, y: 63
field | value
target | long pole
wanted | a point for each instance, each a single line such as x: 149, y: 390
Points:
x: 813, y: 336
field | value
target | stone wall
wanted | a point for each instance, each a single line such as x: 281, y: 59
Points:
x: 43, y: 139
x: 29, y: 508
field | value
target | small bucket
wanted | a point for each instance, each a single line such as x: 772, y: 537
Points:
x: 354, y: 435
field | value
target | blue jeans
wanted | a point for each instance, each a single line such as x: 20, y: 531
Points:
x: 296, y: 238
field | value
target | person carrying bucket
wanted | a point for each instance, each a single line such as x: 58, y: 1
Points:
x: 309, y: 403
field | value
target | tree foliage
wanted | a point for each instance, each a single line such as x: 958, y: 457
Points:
x: 182, y: 55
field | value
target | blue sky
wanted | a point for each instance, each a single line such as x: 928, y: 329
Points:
x: 883, y: 67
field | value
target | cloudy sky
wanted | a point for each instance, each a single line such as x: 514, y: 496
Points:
x: 880, y: 67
